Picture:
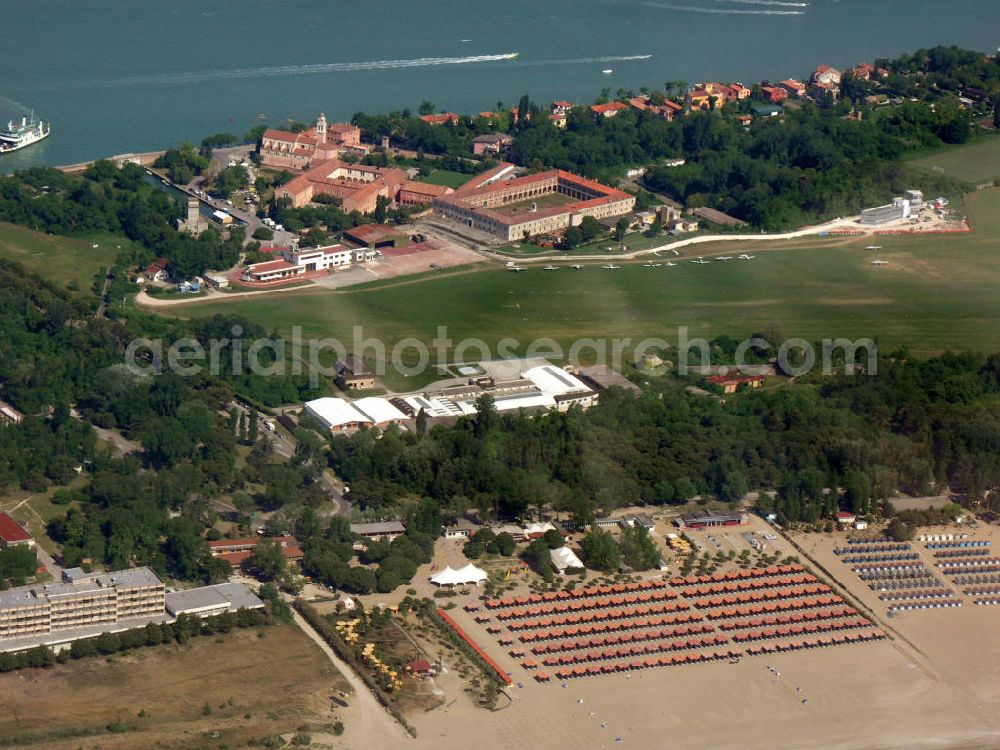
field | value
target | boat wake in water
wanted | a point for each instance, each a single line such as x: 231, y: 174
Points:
x: 782, y: 3
x: 298, y: 70
x: 582, y: 60
x: 728, y: 11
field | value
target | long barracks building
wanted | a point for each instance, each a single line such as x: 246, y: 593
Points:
x: 509, y: 209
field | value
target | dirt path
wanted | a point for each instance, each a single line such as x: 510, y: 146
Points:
x: 372, y: 728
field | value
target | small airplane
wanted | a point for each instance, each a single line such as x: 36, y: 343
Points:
x: 701, y: 261
x: 611, y: 266
x: 576, y: 267
x: 880, y: 263
x: 874, y: 247
x: 746, y: 257
x: 725, y: 257
x: 551, y: 268
x: 671, y: 265
x: 516, y: 269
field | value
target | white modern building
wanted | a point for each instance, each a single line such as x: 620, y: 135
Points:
x: 296, y: 262
x: 341, y: 415
x: 563, y: 387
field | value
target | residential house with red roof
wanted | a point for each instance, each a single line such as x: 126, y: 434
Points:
x: 826, y: 75
x: 774, y: 94
x: 441, y: 118
x: 863, y: 71
x: 610, y: 109
x: 157, y: 270
x: 731, y: 383
x: 793, y: 87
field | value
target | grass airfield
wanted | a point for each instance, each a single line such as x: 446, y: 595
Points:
x: 938, y: 292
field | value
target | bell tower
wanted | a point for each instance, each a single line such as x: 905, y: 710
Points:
x: 321, y: 127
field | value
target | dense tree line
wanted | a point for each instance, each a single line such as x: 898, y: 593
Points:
x: 180, y: 631
x: 116, y: 201
x: 849, y: 442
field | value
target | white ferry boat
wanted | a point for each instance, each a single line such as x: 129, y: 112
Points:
x: 21, y: 135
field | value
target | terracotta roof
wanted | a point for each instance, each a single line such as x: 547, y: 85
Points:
x: 270, y: 266
x: 600, y: 109
x: 425, y: 188
x: 281, y: 135
x: 439, y: 119
x: 11, y: 531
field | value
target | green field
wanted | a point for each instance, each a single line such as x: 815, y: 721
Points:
x: 938, y: 292
x: 975, y: 163
x: 446, y: 177
x: 59, y: 259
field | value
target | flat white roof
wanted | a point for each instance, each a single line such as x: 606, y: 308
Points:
x: 433, y: 407
x: 335, y: 412
x: 564, y: 558
x: 554, y: 381
x: 379, y: 410
x: 523, y: 401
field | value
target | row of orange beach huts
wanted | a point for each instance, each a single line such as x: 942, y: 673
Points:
x: 763, y: 596
x: 635, y: 666
x: 819, y: 642
x: 590, y: 604
x: 770, y: 634
x: 789, y: 619
x: 630, y: 651
x: 604, y: 616
x: 753, y: 585
x: 606, y: 627
x: 738, y: 575
x: 616, y: 640
x: 773, y: 607
x: 581, y: 593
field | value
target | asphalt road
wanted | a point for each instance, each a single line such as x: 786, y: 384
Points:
x: 123, y: 446
x: 284, y: 445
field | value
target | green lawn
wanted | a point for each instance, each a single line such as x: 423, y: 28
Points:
x: 938, y: 292
x: 59, y: 259
x: 975, y: 163
x: 446, y: 177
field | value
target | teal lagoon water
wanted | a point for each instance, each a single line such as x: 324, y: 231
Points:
x: 115, y: 76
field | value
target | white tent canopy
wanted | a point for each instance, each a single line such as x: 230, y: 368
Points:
x: 451, y: 577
